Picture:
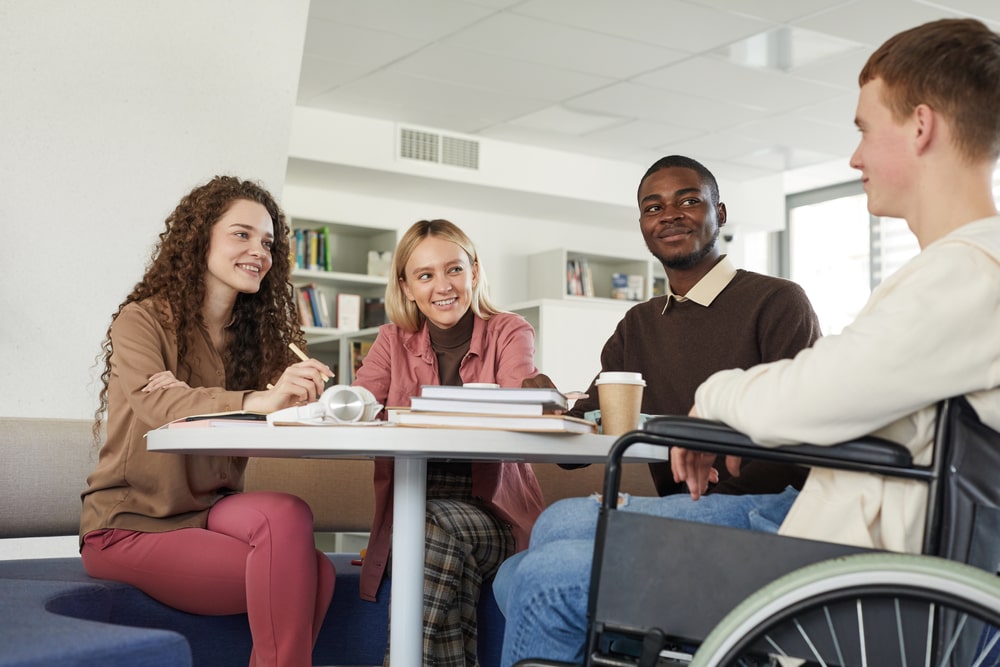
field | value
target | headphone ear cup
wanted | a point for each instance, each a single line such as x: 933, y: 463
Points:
x: 342, y: 403
x: 372, y: 407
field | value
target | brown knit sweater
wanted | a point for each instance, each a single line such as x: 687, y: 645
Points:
x: 754, y: 319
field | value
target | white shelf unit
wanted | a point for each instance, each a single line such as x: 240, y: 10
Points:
x: 547, y: 274
x: 349, y: 247
x: 570, y: 334
x: 570, y: 330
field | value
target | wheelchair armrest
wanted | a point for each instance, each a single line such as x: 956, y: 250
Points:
x: 867, y: 454
x: 693, y: 430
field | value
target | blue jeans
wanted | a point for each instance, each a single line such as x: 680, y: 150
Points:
x: 543, y: 590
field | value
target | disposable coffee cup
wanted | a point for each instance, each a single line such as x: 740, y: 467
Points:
x: 620, y: 396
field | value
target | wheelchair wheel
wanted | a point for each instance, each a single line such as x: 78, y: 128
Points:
x: 874, y: 610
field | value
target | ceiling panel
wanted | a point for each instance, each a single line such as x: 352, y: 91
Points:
x: 872, y: 23
x: 504, y: 76
x: 436, y: 104
x: 537, y: 41
x: 714, y: 79
x: 645, y: 102
x: 621, y: 79
x: 774, y: 10
x: 670, y: 23
x: 426, y: 20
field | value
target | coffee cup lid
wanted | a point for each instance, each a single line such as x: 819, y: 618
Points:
x: 620, y: 377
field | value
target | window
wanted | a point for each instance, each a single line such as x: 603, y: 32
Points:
x: 838, y: 252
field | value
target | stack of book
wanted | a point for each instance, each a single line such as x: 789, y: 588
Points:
x: 527, y: 409
x: 579, y: 280
x: 311, y: 249
x: 314, y: 310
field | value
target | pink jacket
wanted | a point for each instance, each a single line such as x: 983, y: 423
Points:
x: 501, y: 351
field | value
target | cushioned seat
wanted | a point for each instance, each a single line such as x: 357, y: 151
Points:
x: 47, y: 623
x: 354, y: 631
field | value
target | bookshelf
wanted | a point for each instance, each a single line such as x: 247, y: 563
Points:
x: 338, y: 264
x: 572, y: 322
x: 569, y: 274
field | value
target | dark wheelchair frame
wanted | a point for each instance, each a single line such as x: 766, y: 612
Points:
x: 662, y: 588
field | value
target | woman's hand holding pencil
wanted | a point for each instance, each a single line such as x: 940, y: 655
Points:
x: 300, y: 383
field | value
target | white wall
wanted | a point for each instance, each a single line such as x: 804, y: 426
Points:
x: 111, y: 110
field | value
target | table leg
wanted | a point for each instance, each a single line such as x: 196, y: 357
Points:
x: 407, y: 602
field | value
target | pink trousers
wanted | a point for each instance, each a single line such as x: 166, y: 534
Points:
x: 256, y: 555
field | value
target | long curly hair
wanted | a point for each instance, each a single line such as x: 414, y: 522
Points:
x: 263, y: 323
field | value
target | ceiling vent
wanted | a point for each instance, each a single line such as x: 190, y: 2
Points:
x: 432, y: 147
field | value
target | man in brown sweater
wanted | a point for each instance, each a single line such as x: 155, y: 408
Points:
x: 713, y: 316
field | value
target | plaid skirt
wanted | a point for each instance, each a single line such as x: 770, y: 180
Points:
x: 464, y: 545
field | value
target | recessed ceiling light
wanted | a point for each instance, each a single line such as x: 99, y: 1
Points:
x: 784, y: 49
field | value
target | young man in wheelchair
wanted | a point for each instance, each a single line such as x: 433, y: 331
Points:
x: 930, y: 139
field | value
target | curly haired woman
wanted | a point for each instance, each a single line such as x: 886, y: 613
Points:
x: 205, y: 330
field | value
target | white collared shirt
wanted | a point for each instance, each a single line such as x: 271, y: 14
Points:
x: 710, y: 286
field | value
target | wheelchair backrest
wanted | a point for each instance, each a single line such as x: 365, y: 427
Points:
x: 963, y: 522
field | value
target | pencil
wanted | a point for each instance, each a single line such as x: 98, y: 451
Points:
x: 302, y: 355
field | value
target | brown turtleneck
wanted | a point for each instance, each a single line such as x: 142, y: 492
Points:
x: 450, y: 347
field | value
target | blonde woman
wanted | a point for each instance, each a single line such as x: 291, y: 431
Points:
x: 444, y: 330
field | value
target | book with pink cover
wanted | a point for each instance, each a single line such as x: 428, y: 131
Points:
x: 531, y: 424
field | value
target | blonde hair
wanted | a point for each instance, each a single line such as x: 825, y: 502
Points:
x: 404, y: 313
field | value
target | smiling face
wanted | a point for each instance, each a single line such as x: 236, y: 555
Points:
x: 438, y: 278
x: 239, y: 253
x: 679, y: 218
x: 882, y: 154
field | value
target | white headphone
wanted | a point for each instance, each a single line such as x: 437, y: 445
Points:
x: 340, y: 403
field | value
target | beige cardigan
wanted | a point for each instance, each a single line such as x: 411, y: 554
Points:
x: 929, y: 332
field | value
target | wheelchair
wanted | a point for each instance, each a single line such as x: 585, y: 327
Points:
x: 668, y: 592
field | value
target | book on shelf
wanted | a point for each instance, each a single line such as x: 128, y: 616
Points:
x: 659, y: 285
x: 359, y: 350
x: 528, y: 423
x: 579, y: 280
x: 314, y: 310
x: 299, y: 248
x: 312, y: 248
x: 636, y: 287
x: 374, y: 315
x: 305, y: 309
x: 324, y: 308
x: 587, y: 277
x: 348, y: 311
x: 549, y: 398
x: 425, y: 404
x: 619, y: 286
